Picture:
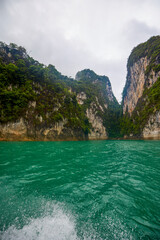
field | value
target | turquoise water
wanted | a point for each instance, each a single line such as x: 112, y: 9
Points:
x: 80, y: 190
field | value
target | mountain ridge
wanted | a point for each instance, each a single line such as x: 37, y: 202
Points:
x: 37, y: 102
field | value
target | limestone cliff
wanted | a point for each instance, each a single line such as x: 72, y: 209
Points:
x: 99, y: 103
x: 98, y: 130
x: 135, y: 84
x: 141, y: 94
x: 152, y: 128
x: 38, y: 103
x: 21, y: 131
x: 13, y: 130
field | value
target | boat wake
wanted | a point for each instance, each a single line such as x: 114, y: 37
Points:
x: 58, y: 225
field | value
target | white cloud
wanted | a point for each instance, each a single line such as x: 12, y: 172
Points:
x: 78, y: 34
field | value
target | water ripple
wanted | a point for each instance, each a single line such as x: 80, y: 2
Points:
x: 109, y: 190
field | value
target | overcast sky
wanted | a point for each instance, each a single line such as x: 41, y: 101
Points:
x: 78, y: 34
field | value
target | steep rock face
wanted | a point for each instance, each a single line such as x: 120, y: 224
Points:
x: 152, y: 128
x: 135, y: 80
x: 99, y: 103
x: 13, y: 130
x: 81, y: 97
x: 141, y: 94
x: 109, y: 92
x: 21, y: 131
x: 98, y: 130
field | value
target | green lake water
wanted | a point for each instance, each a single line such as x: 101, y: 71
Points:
x: 80, y: 190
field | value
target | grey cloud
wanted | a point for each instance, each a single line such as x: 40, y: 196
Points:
x: 78, y: 34
x: 137, y: 32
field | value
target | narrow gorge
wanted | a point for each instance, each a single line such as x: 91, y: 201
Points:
x: 39, y: 103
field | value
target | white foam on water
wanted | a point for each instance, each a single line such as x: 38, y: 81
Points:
x: 54, y: 222
x: 58, y: 226
x: 61, y: 226
x: 46, y: 228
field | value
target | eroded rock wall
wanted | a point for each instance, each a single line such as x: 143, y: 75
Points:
x: 152, y: 128
x: 21, y: 131
x: 135, y: 80
x: 13, y: 130
x: 142, y: 90
x: 98, y: 130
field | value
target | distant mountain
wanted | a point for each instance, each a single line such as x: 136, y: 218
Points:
x: 38, y: 103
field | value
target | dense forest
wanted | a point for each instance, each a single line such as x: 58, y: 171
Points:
x: 43, y: 96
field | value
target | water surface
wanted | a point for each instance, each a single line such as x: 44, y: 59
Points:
x: 80, y: 190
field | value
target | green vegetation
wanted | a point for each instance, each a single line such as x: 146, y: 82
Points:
x: 15, y: 92
x: 149, y: 49
x: 38, y: 93
x: 148, y: 104
x: 95, y: 88
x: 43, y: 96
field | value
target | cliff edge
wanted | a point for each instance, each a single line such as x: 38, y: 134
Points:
x: 141, y: 94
